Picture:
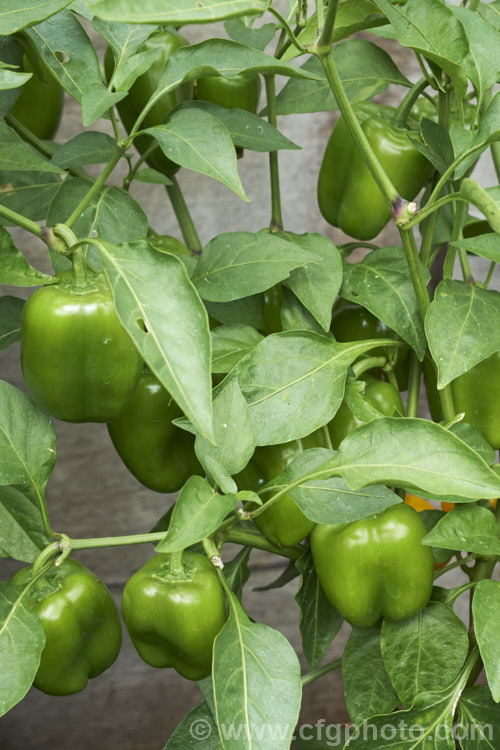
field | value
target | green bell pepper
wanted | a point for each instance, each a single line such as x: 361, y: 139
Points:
x: 159, y: 454
x: 476, y: 393
x: 129, y: 108
x: 348, y: 195
x: 284, y: 524
x: 242, y: 91
x: 376, y: 567
x: 379, y: 394
x: 78, y: 362
x: 173, y: 615
x: 40, y: 104
x: 81, y: 623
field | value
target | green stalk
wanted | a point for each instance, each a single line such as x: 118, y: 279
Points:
x: 21, y: 221
x: 96, y: 186
x: 316, y: 673
x: 276, y: 213
x: 495, y: 155
x: 457, y: 564
x: 414, y: 386
x: 405, y: 106
x: 184, y: 218
x: 368, y: 363
x: 387, y: 188
x: 326, y: 38
x: 250, y: 539
x: 411, y: 252
x: 175, y: 562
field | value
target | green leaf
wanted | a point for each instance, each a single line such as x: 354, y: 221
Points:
x: 482, y: 62
x: 14, y: 268
x: 199, y: 141
x: 478, y: 717
x: 463, y: 327
x: 19, y: 156
x: 485, y: 245
x: 10, y: 79
x: 197, y: 513
x: 90, y: 147
x: 475, y: 440
x: 28, y: 193
x: 424, y: 655
x: 247, y: 130
x: 27, y: 439
x: 294, y: 383
x: 112, y: 214
x: 197, y: 730
x: 367, y: 686
x: 364, y: 68
x: 233, y: 431
x: 124, y: 39
x: 257, y: 688
x: 238, y: 264
x: 491, y: 13
x: 175, y: 12
x: 295, y: 317
x: 153, y: 177
x: 329, y: 501
x: 64, y: 46
x: 22, y: 640
x: 18, y: 14
x: 414, y: 454
x: 162, y: 312
x: 22, y: 532
x: 319, y: 620
x: 435, y: 144
x: 230, y: 344
x: 430, y: 27
x: 11, y: 310
x: 11, y: 53
x: 246, y: 311
x: 381, y: 282
x: 317, y: 284
x: 486, y: 613
x: 131, y: 68
x: 352, y: 16
x: 97, y: 100
x: 256, y: 38
x: 470, y: 528
x: 429, y: 728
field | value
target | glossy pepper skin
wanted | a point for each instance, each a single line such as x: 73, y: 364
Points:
x: 159, y: 454
x: 173, y: 618
x: 131, y: 106
x: 79, y: 363
x: 81, y: 623
x: 379, y: 394
x: 375, y: 567
x: 242, y: 91
x: 284, y: 524
x: 40, y: 103
x: 476, y: 393
x: 348, y: 196
x: 353, y: 322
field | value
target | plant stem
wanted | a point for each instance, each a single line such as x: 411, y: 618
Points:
x: 21, y: 221
x: 96, y: 186
x: 457, y: 564
x: 491, y: 270
x: 316, y: 673
x: 326, y: 38
x: 250, y: 539
x: 184, y: 218
x: 405, y: 106
x: 286, y: 26
x: 414, y: 386
x: 175, y: 562
x: 117, y: 541
x: 387, y: 188
x: 495, y: 155
x: 369, y: 363
x: 276, y: 213
x: 410, y: 248
x: 429, y: 209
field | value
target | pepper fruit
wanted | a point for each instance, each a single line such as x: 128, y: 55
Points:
x: 348, y: 195
x: 131, y: 106
x: 159, y: 454
x: 379, y: 394
x: 81, y: 623
x: 242, y: 91
x: 284, y: 524
x: 78, y: 362
x: 353, y: 322
x: 375, y: 567
x: 273, y: 299
x: 476, y: 393
x: 173, y: 616
x: 40, y: 103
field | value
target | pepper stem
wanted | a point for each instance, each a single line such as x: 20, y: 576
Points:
x: 175, y: 563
